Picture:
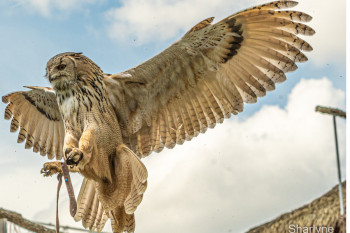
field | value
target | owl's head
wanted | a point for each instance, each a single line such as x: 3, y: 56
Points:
x: 66, y: 69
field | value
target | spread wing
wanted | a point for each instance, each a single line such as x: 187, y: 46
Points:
x: 207, y: 75
x: 37, y: 115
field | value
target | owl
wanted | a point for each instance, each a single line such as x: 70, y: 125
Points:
x: 103, y: 124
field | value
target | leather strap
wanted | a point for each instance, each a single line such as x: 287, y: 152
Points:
x: 68, y: 181
x: 59, y: 178
x: 72, y: 201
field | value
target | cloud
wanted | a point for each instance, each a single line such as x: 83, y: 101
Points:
x: 156, y: 21
x: 240, y: 174
x: 329, y: 24
x: 49, y: 8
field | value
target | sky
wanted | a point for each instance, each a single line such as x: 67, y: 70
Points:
x: 274, y: 157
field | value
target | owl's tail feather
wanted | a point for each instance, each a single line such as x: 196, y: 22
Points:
x: 90, y: 210
x: 121, y: 221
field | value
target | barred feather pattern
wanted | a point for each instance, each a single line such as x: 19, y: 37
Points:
x: 207, y: 75
x: 35, y: 113
x: 90, y: 210
x: 122, y: 222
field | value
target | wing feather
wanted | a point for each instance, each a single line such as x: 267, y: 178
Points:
x: 172, y: 127
x: 180, y: 128
x: 208, y: 112
x: 199, y: 112
x: 167, y: 138
x: 186, y: 121
x: 43, y: 137
x: 219, y: 96
x: 213, y: 104
x: 144, y: 142
x: 192, y: 114
x: 49, y: 141
x: 262, y: 77
x: 36, y: 114
x: 158, y: 146
x: 207, y: 75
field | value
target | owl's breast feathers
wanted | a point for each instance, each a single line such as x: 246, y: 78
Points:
x: 85, y: 103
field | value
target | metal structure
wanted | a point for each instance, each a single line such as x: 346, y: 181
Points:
x: 3, y: 225
x: 335, y: 112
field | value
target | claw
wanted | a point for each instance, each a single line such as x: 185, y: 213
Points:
x: 71, y: 159
x: 51, y: 168
x: 44, y: 171
x: 67, y: 151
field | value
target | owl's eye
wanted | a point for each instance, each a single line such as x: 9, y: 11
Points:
x: 61, y: 67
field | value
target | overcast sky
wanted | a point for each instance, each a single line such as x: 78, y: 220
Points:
x: 274, y: 157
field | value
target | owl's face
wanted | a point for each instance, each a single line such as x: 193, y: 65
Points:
x: 66, y: 69
x: 61, y: 71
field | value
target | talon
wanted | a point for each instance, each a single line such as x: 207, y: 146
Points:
x: 74, y: 157
x: 51, y: 168
x: 67, y: 151
x: 70, y: 161
x: 44, y: 171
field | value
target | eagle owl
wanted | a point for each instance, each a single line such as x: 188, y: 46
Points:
x: 103, y: 124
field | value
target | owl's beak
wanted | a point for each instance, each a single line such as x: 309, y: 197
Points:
x: 52, y: 78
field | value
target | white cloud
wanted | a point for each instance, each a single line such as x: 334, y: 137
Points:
x: 49, y: 8
x: 329, y: 24
x: 156, y: 21
x: 234, y: 177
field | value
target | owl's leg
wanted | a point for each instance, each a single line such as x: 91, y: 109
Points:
x: 80, y: 154
x: 52, y: 168
x: 72, y: 154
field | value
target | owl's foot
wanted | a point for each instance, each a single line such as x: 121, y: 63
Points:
x: 51, y: 168
x: 73, y: 156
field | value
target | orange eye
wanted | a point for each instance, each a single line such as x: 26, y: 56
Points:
x: 61, y: 67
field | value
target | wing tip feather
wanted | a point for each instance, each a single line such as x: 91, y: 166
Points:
x: 5, y: 99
